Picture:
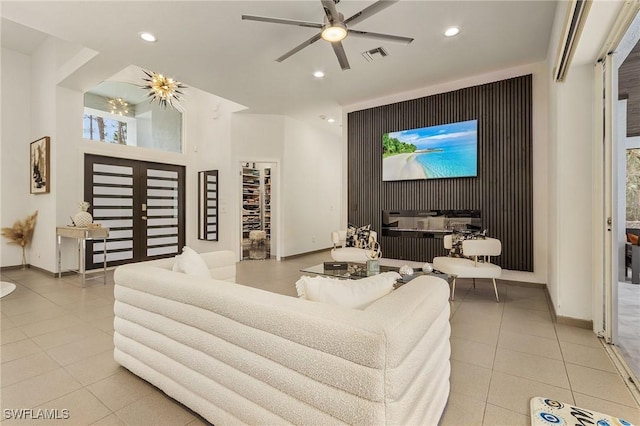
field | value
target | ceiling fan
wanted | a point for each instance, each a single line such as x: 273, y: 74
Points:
x: 335, y: 28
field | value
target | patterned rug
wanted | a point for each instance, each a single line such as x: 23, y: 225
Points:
x: 545, y: 412
x: 6, y: 288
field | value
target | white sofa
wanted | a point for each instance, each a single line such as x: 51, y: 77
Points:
x: 341, y: 253
x: 240, y: 355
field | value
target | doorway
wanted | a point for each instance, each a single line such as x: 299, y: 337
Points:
x: 621, y: 169
x: 257, y: 210
x: 142, y: 204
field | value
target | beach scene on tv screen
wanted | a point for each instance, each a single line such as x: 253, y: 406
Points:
x: 444, y: 151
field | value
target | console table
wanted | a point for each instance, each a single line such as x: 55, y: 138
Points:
x: 82, y: 235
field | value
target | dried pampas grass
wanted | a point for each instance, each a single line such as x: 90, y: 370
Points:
x: 21, y: 233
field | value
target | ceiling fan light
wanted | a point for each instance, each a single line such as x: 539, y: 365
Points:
x: 334, y: 33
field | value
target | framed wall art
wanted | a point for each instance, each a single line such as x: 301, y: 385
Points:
x: 39, y: 170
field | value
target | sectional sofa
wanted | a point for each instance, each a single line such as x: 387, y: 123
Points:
x: 241, y: 355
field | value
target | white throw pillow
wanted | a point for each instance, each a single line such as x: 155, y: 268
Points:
x: 356, y: 294
x: 191, y: 263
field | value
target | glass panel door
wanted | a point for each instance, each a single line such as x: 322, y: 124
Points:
x: 141, y: 203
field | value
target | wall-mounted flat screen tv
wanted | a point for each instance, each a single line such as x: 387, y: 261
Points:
x: 444, y: 151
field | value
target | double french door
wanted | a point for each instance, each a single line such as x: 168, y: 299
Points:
x: 142, y: 204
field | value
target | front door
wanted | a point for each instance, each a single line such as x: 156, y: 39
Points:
x: 142, y: 203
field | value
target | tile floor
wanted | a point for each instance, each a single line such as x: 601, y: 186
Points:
x: 57, y: 347
x: 629, y: 324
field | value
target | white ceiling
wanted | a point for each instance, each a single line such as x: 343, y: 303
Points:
x: 205, y: 44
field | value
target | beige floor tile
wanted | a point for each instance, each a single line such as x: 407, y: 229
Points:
x: 110, y: 420
x: 62, y: 337
x: 94, y: 368
x: 16, y: 350
x: 533, y: 367
x: 26, y: 367
x: 21, y: 306
x: 38, y: 390
x: 461, y: 410
x: 95, y: 313
x: 580, y: 336
x: 515, y: 314
x: 469, y: 380
x: 599, y: 384
x: 90, y: 301
x: 477, y: 332
x: 489, y: 314
x: 6, y: 323
x: 629, y: 414
x: 532, y: 345
x: 11, y: 335
x: 104, y: 323
x: 32, y: 317
x: 531, y: 328
x: 514, y: 393
x: 498, y: 416
x: 156, y: 409
x: 198, y: 421
x: 49, y: 325
x: 82, y: 406
x: 587, y: 356
x: 81, y: 349
x: 120, y: 390
x: 529, y: 304
x: 475, y: 353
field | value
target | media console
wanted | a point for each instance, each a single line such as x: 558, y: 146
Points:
x: 428, y: 223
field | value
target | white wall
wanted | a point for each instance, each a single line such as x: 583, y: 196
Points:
x: 43, y: 123
x: 14, y: 147
x: 540, y: 100
x: 573, y: 204
x: 312, y: 187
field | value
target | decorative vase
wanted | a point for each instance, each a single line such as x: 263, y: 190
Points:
x: 83, y: 218
x: 427, y: 268
x: 406, y: 270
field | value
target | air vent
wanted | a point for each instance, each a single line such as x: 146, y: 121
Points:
x: 377, y: 53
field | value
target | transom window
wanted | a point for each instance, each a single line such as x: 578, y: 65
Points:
x: 119, y: 113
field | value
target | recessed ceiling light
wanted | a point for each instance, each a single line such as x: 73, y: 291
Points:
x: 148, y: 37
x: 451, y: 31
x: 318, y: 74
x: 331, y: 120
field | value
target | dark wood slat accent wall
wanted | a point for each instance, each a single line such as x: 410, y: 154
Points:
x: 503, y: 190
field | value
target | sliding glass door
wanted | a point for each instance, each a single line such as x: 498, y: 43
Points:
x: 142, y: 203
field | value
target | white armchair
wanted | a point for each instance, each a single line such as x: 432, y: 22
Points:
x: 340, y: 253
x: 478, y: 265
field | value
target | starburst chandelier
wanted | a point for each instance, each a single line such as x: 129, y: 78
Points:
x: 164, y: 90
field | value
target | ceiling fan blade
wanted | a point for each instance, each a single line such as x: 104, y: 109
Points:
x: 330, y: 10
x: 342, y: 57
x: 388, y: 37
x: 282, y: 21
x: 367, y: 12
x: 299, y: 47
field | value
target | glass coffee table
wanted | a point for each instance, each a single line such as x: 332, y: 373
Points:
x: 356, y: 270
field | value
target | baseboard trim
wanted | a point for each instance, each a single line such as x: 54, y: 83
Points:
x: 575, y: 322
x: 36, y: 268
x: 522, y: 284
x: 570, y: 321
x: 13, y: 267
x: 293, y: 256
